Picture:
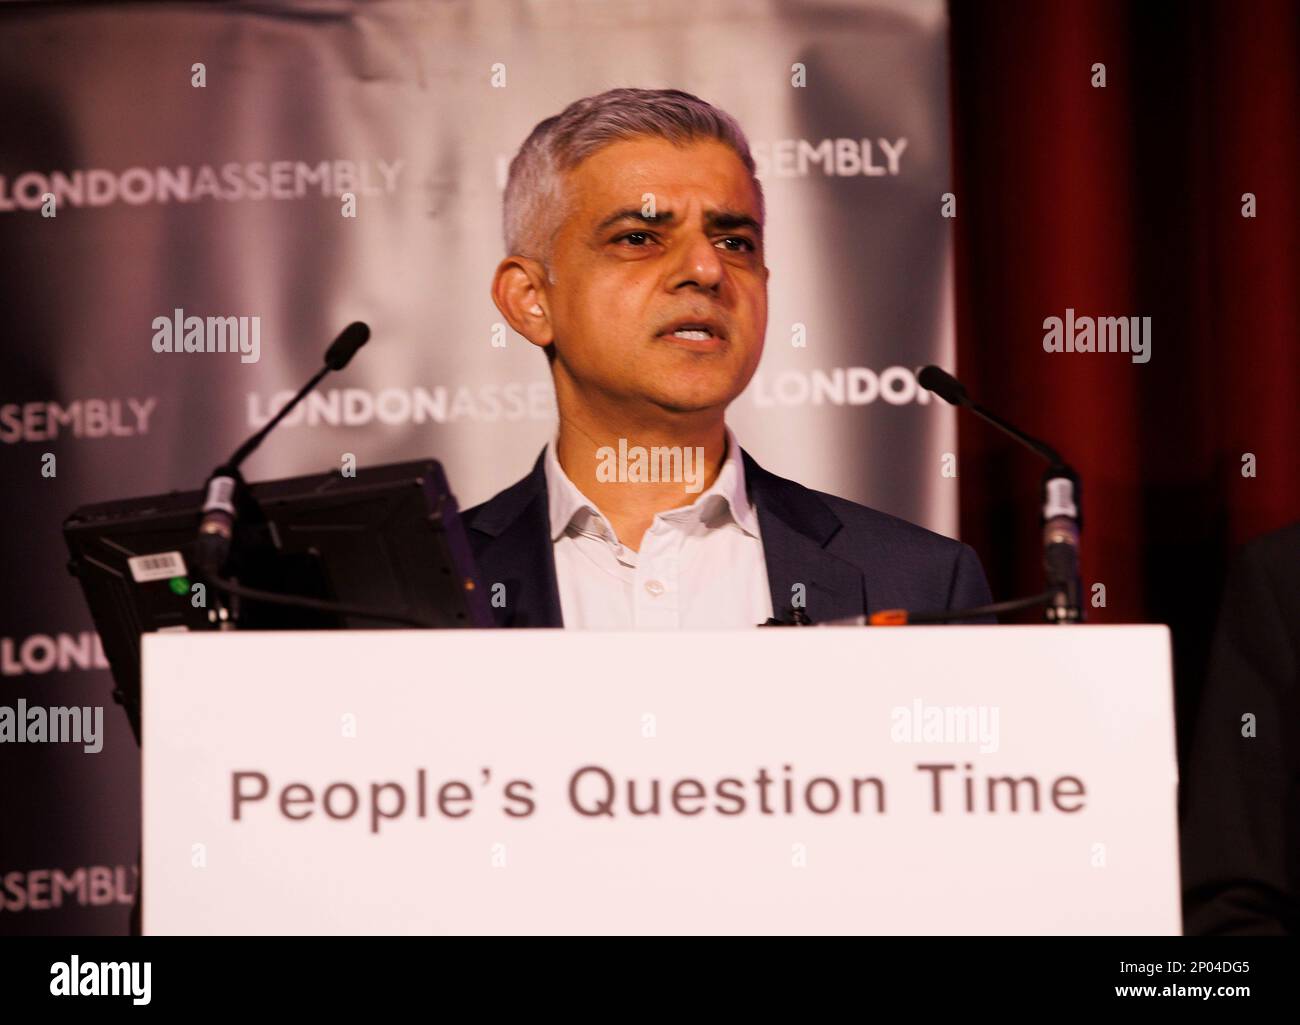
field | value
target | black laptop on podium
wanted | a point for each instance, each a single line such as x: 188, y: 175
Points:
x: 380, y: 549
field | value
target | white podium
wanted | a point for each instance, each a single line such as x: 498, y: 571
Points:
x: 983, y: 780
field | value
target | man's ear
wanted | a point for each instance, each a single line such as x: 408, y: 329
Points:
x: 519, y: 291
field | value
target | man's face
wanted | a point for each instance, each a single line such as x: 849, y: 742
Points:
x: 622, y: 280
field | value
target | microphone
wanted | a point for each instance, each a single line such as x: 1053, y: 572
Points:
x: 337, y: 356
x: 1062, y: 522
x: 345, y: 346
x: 952, y: 391
x: 225, y: 486
x: 1060, y: 493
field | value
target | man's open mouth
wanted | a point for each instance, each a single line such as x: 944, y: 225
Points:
x: 695, y: 331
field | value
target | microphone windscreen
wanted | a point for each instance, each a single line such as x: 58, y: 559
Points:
x: 943, y: 384
x: 345, y: 346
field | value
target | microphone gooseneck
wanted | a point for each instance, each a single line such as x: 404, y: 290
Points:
x: 1061, y: 503
x: 225, y: 486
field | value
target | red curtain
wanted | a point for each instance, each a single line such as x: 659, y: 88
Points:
x: 1127, y: 200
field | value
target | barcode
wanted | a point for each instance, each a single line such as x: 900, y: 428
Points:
x: 158, y: 566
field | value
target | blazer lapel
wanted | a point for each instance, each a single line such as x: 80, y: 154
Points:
x: 519, y: 553
x: 796, y: 526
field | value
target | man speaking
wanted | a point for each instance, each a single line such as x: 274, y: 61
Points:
x: 634, y: 234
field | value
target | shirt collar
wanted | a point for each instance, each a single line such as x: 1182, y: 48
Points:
x: 566, y: 503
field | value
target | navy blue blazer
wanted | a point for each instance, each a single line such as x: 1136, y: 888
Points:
x: 852, y: 560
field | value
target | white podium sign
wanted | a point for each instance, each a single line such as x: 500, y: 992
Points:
x: 785, y: 780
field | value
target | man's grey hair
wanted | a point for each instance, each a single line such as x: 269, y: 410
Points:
x: 534, y: 205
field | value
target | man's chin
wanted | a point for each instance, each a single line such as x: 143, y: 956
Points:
x: 688, y: 402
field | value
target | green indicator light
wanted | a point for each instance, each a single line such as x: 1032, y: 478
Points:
x: 179, y: 585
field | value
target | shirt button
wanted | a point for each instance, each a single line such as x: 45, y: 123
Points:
x: 654, y: 588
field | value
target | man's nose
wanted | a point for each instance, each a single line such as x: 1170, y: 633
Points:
x: 698, y: 264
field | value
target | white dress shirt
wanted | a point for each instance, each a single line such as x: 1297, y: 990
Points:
x: 699, y: 566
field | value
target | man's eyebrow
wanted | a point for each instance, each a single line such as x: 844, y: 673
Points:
x: 726, y: 220
x: 636, y: 213
x: 730, y: 220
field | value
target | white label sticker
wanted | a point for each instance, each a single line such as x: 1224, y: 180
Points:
x: 160, y: 566
x: 1060, y: 499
